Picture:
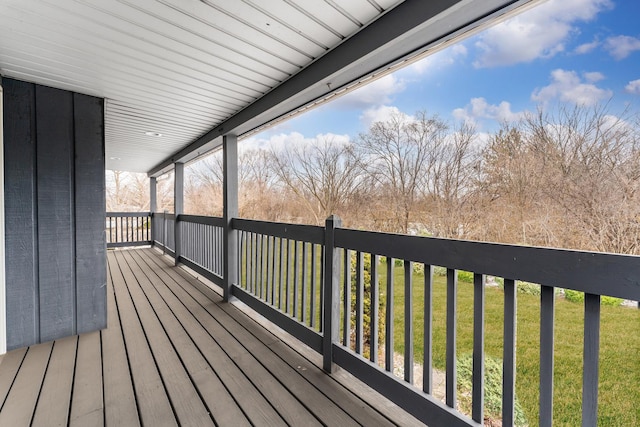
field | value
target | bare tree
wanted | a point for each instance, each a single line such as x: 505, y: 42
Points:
x: 400, y: 158
x: 323, y: 176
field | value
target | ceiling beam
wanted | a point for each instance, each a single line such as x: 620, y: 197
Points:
x: 409, y: 29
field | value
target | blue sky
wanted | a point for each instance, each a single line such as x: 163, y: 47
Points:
x: 569, y: 51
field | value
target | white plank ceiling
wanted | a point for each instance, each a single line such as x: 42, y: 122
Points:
x: 175, y: 68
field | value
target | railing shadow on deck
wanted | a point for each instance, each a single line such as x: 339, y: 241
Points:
x: 323, y: 285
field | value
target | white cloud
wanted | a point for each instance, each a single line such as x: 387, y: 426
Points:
x: 381, y: 113
x: 633, y: 87
x: 377, y: 92
x: 479, y: 108
x: 587, y: 47
x: 593, y: 76
x: 567, y: 86
x: 619, y: 47
x: 537, y: 33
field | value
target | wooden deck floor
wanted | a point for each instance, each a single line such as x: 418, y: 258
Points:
x: 174, y: 354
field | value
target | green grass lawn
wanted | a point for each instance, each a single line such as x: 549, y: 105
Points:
x: 619, y: 389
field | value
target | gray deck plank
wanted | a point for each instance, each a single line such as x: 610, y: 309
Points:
x: 253, y: 403
x: 288, y: 406
x: 87, y: 406
x: 324, y: 409
x: 8, y: 370
x: 119, y: 399
x: 21, y: 402
x: 220, y: 402
x: 55, y: 396
x: 259, y: 340
x: 186, y: 403
x: 153, y: 404
x: 223, y: 408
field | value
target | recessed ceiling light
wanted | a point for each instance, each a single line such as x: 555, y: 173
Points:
x: 157, y: 134
x: 114, y: 158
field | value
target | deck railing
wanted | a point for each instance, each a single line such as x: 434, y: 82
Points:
x: 324, y: 285
x: 128, y: 229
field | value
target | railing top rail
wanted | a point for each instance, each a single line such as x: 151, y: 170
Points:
x: 171, y: 216
x: 127, y: 214
x: 305, y: 233
x: 593, y: 272
x: 199, y: 219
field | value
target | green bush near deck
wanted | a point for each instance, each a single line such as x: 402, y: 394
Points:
x: 577, y: 296
x: 492, y: 389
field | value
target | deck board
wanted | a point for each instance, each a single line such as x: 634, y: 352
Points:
x: 88, y: 400
x: 173, y: 354
x: 55, y: 396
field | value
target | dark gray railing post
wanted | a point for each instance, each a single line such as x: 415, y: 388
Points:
x: 230, y: 211
x: 331, y: 290
x: 178, y: 207
x: 153, y: 205
x: 164, y: 232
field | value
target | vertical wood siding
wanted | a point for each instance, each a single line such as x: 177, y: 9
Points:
x: 54, y: 174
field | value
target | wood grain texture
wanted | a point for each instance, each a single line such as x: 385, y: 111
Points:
x: 119, y: 398
x: 91, y: 261
x: 87, y: 407
x: 151, y: 396
x: 19, y: 407
x: 20, y: 214
x: 55, y: 396
x: 55, y: 181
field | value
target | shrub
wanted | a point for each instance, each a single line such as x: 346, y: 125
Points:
x: 528, y: 288
x: 492, y: 389
x: 366, y: 321
x: 577, y: 296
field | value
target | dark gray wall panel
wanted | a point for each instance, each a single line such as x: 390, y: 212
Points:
x: 91, y: 276
x: 55, y: 210
x: 55, y: 180
x: 20, y: 210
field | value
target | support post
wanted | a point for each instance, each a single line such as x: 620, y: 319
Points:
x: 230, y: 211
x: 153, y: 206
x: 331, y: 290
x: 178, y: 206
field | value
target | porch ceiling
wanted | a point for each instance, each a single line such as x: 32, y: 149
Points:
x: 193, y: 70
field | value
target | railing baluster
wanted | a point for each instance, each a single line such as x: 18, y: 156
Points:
x: 246, y: 260
x: 375, y: 301
x: 346, y: 331
x: 427, y: 381
x: 267, y: 270
x: 547, y: 315
x: 590, y: 366
x: 509, y: 355
x: 477, y: 398
x: 296, y: 279
x: 359, y: 311
x: 312, y: 320
x: 388, y: 323
x: 321, y: 296
x: 273, y: 271
x: 261, y: 264
x: 452, y: 285
x: 281, y: 274
x: 303, y: 308
x: 287, y: 280
x: 408, y: 322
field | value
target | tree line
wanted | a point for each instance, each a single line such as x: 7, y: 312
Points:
x: 563, y: 177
